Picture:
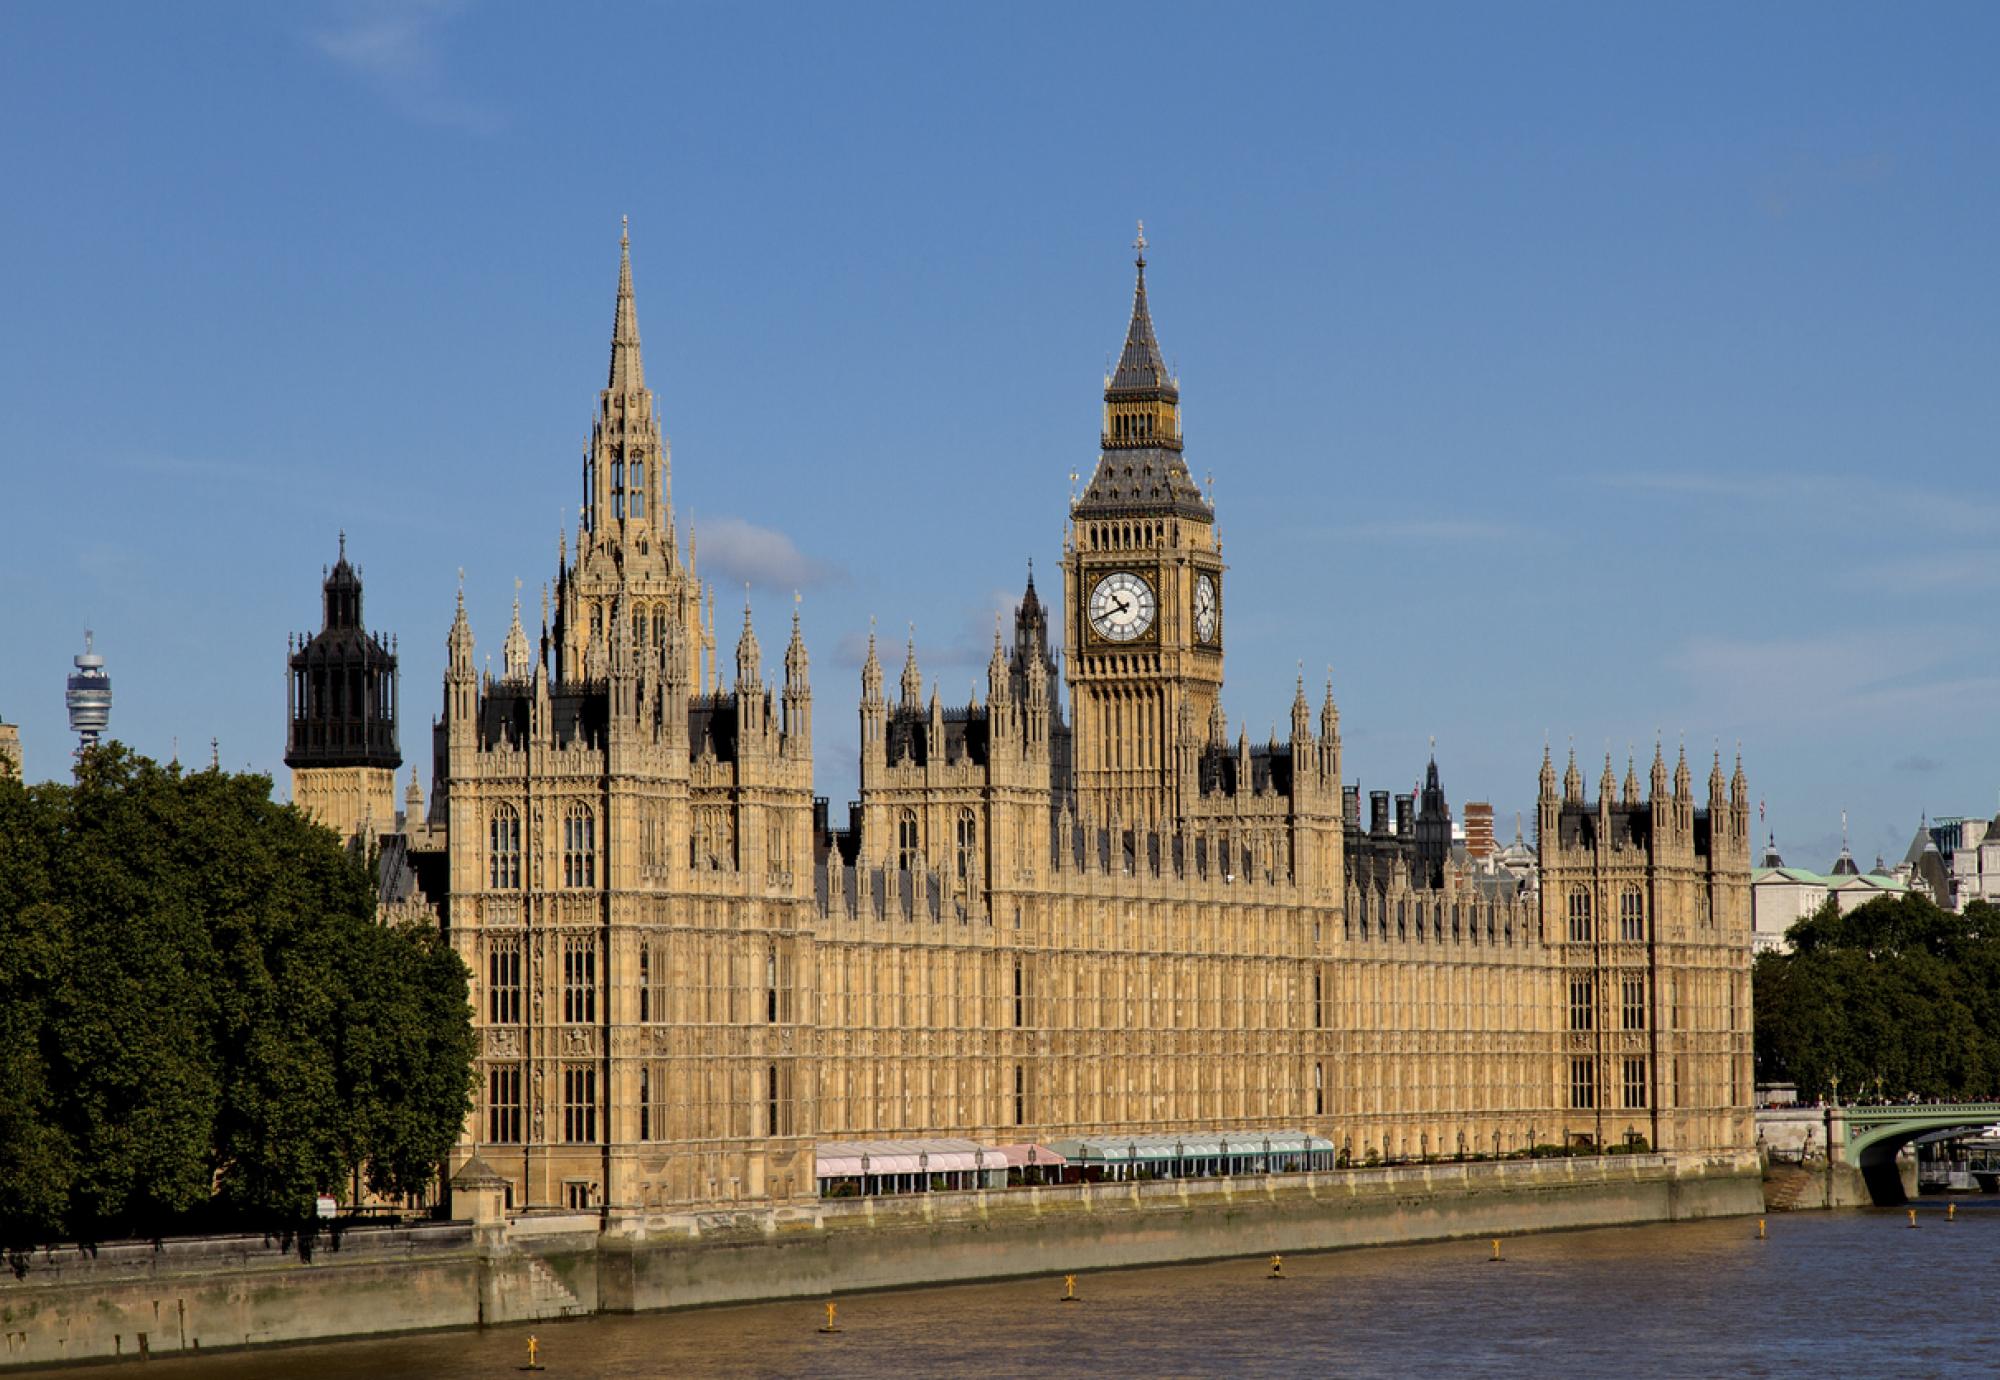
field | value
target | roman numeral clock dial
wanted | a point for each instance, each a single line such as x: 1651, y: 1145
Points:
x: 1204, y: 610
x: 1121, y: 607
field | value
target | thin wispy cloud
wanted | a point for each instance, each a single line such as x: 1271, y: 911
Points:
x: 1829, y: 495
x: 734, y: 552
x: 1927, y: 572
x: 1837, y: 679
x: 395, y: 48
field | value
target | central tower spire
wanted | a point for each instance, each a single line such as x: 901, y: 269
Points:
x: 628, y: 370
x: 624, y: 477
x: 625, y: 547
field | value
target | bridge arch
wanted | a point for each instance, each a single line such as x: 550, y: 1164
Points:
x: 1875, y: 1135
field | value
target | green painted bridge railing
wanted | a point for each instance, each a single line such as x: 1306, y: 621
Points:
x: 1898, y: 1122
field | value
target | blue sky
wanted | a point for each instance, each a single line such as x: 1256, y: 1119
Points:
x: 1573, y: 370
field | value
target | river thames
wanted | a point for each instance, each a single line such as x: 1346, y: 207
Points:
x: 1848, y: 1293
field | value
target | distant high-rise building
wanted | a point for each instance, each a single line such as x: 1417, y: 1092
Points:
x: 1479, y: 831
x: 340, y: 739
x: 89, y: 696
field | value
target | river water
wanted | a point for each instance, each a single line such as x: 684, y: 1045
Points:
x: 1827, y: 1294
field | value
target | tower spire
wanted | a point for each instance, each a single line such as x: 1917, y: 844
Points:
x: 1141, y: 369
x: 628, y: 372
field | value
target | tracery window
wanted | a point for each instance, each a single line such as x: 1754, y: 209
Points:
x: 1582, y: 1004
x: 1579, y: 915
x: 1583, y: 1084
x: 503, y: 1105
x: 579, y: 1104
x: 503, y: 982
x: 580, y: 979
x: 1635, y: 1003
x: 1635, y: 1082
x: 906, y: 841
x: 503, y: 848
x: 1632, y: 915
x: 579, y: 847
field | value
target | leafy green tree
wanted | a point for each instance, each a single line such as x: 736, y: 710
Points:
x: 201, y: 1023
x: 1894, y: 997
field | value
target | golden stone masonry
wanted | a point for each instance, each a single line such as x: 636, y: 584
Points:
x: 1119, y: 925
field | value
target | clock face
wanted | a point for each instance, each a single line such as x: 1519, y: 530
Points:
x: 1204, y: 609
x: 1121, y: 607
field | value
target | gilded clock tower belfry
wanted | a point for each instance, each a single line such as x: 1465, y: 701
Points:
x: 1143, y: 597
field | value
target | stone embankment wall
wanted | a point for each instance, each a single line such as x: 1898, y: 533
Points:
x: 1800, y: 1174
x: 133, y: 1299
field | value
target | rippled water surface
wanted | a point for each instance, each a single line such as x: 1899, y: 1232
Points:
x: 1828, y: 1294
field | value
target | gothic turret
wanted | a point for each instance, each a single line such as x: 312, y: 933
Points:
x: 343, y: 685
x: 340, y: 739
x: 515, y: 655
x: 798, y: 694
x: 913, y: 679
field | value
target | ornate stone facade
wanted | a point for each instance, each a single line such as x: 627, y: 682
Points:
x: 1028, y: 928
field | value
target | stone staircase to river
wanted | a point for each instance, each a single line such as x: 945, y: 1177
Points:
x: 1785, y: 1185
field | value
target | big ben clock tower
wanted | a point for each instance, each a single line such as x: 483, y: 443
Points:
x: 1142, y: 597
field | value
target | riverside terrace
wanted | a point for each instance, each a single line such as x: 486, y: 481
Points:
x: 867, y: 1168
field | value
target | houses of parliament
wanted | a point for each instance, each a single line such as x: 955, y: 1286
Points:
x: 1074, y: 908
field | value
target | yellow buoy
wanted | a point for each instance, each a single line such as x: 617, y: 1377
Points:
x: 1496, y: 1248
x: 831, y: 1325
x: 1760, y: 1229
x: 1951, y: 1212
x: 534, y: 1354
x: 1913, y: 1218
x: 1069, y: 1289
x: 1277, y: 1267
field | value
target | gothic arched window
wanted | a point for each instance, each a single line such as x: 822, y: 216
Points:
x: 968, y: 842
x: 906, y: 841
x: 1579, y: 915
x: 1632, y: 914
x: 503, y: 848
x: 579, y: 846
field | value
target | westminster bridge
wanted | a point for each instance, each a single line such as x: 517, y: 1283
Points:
x: 1865, y: 1139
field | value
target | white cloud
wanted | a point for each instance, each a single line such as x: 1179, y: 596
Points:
x: 732, y: 551
x: 393, y: 47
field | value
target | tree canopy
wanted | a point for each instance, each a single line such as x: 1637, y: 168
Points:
x: 201, y: 1023
x: 1894, y: 997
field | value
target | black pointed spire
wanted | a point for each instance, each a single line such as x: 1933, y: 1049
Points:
x: 1141, y: 370
x: 1141, y: 470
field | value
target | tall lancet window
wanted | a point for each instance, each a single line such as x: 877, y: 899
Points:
x: 638, y: 486
x: 504, y: 849
x: 579, y: 847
